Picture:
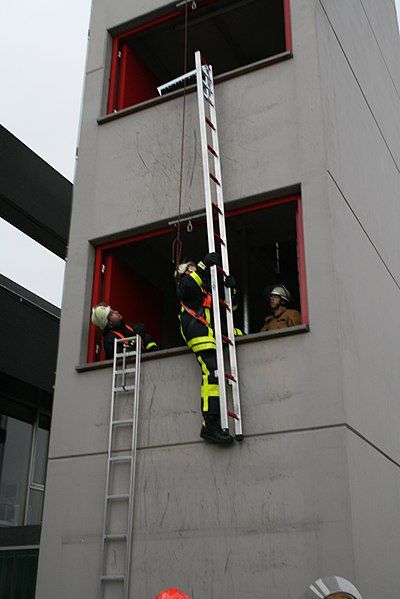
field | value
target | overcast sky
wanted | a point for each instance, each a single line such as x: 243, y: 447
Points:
x: 42, y: 59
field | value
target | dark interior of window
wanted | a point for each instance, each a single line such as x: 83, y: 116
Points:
x: 230, y: 34
x: 262, y: 252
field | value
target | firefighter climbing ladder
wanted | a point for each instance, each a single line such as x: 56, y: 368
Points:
x: 125, y: 386
x: 215, y: 216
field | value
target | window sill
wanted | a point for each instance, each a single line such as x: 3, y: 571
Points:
x: 178, y: 351
x: 217, y: 79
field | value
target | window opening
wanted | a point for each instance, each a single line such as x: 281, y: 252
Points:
x: 34, y: 509
x: 24, y: 438
x: 265, y: 248
x: 230, y: 35
x: 18, y: 571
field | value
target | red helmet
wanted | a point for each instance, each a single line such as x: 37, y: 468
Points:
x: 172, y: 594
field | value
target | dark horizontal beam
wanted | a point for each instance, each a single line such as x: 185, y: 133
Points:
x: 34, y: 197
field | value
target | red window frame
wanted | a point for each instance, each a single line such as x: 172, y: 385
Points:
x: 117, y: 74
x: 101, y: 292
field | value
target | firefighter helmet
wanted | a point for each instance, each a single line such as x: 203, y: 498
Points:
x: 100, y: 315
x: 172, y: 594
x: 282, y: 292
x: 183, y: 267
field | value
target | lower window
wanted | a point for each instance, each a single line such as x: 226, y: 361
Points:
x: 18, y: 569
x: 24, y: 439
x: 265, y: 243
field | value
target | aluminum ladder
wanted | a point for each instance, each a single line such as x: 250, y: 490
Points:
x: 119, y: 504
x: 227, y: 370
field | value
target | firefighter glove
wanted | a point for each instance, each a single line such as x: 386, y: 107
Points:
x: 230, y: 282
x: 211, y: 259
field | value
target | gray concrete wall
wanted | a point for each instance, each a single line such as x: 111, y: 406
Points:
x: 375, y: 492
x: 359, y: 52
x: 270, y: 516
x: 361, y: 106
x: 255, y: 521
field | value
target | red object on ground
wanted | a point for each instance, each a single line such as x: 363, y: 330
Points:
x: 172, y: 594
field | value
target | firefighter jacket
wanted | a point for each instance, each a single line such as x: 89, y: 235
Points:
x: 283, y: 318
x: 194, y: 289
x: 193, y: 293
x: 123, y: 331
x: 191, y: 289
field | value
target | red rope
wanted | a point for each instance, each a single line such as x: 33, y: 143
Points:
x: 177, y: 243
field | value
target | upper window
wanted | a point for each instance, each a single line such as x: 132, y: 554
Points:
x: 230, y: 34
x: 265, y: 242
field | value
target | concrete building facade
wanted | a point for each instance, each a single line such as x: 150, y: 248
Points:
x: 313, y: 491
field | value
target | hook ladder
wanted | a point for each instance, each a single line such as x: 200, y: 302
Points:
x: 227, y: 370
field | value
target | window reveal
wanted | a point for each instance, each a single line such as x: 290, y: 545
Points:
x: 230, y: 35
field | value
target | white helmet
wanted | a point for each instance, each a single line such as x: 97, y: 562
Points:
x: 100, y: 316
x: 282, y: 292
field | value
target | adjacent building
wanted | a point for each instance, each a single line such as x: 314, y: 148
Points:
x: 36, y: 199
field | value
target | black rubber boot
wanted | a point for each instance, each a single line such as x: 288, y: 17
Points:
x: 211, y: 431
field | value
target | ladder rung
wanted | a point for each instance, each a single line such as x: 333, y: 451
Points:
x: 224, y: 304
x: 216, y: 207
x: 213, y: 152
x: 233, y: 415
x: 116, y: 537
x: 112, y: 578
x: 117, y: 497
x: 219, y: 238
x: 210, y: 124
x: 205, y: 84
x: 226, y: 339
x: 126, y: 354
x: 221, y: 270
x: 208, y: 100
x: 230, y: 376
x: 118, y: 458
x: 122, y: 422
x: 126, y: 371
x: 214, y: 178
x: 124, y: 388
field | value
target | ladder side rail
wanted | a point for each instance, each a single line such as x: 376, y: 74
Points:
x: 131, y: 503
x: 109, y: 451
x: 225, y: 266
x: 211, y: 244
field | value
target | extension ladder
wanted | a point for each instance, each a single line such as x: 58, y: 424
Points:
x: 227, y: 370
x: 119, y: 503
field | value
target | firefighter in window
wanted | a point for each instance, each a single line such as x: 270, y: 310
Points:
x: 113, y: 327
x: 193, y: 285
x: 282, y: 316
